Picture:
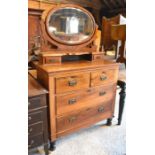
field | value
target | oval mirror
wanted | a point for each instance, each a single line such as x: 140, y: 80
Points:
x: 70, y: 25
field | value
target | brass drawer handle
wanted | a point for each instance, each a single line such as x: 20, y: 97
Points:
x: 72, y: 101
x: 72, y: 82
x: 30, y: 118
x: 32, y: 142
x: 72, y: 119
x: 102, y: 93
x: 101, y: 109
x: 103, y: 77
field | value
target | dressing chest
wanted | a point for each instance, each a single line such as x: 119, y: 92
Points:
x: 81, y: 84
x: 80, y: 94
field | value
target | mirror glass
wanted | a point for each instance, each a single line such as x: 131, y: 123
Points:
x: 70, y: 25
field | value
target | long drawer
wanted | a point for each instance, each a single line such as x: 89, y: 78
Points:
x: 82, y: 99
x: 103, y: 77
x: 35, y: 117
x: 88, y: 115
x: 36, y: 102
x: 73, y: 82
x: 35, y: 129
x: 35, y: 141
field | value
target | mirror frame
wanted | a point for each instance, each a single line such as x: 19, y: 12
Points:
x: 51, y: 11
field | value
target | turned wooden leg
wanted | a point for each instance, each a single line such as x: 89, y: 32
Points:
x: 52, y: 146
x: 46, y: 149
x: 109, y: 121
x: 122, y: 94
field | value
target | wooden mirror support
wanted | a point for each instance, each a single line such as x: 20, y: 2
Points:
x: 53, y: 49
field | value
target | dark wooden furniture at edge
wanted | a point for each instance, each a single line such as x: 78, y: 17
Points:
x: 122, y: 93
x: 37, y: 115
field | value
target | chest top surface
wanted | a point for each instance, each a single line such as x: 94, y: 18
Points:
x: 78, y: 65
x: 34, y: 88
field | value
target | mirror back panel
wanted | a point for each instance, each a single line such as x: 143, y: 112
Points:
x: 67, y: 30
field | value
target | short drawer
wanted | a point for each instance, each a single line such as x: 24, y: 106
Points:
x: 97, y: 57
x: 73, y: 82
x: 52, y: 60
x: 83, y: 99
x: 103, y: 77
x: 35, y: 117
x: 35, y: 141
x: 35, y: 129
x: 85, y: 116
x: 37, y: 102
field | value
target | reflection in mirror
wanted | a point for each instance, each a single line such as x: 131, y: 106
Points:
x: 70, y: 25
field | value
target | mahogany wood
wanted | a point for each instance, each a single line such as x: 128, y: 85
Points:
x: 79, y: 94
x: 86, y: 124
x: 103, y: 77
x: 52, y: 46
x: 50, y: 76
x: 74, y: 119
x: 97, y: 56
x: 81, y: 99
x: 72, y: 82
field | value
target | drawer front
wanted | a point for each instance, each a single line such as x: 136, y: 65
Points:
x: 104, y: 77
x: 87, y: 115
x: 35, y: 129
x: 73, y: 82
x: 37, y: 102
x: 35, y: 117
x: 98, y: 57
x: 87, y: 98
x: 53, y: 60
x: 35, y: 141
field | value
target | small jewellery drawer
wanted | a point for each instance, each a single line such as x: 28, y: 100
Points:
x: 85, y: 116
x: 98, y: 56
x: 72, y: 82
x: 36, y: 102
x: 34, y: 117
x: 102, y: 77
x: 86, y: 98
x: 35, y: 141
x: 52, y: 60
x: 35, y: 129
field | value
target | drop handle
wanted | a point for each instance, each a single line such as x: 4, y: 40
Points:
x: 29, y: 103
x: 101, y: 109
x: 72, y: 119
x: 72, y: 101
x: 72, y: 82
x: 102, y: 93
x: 103, y: 77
